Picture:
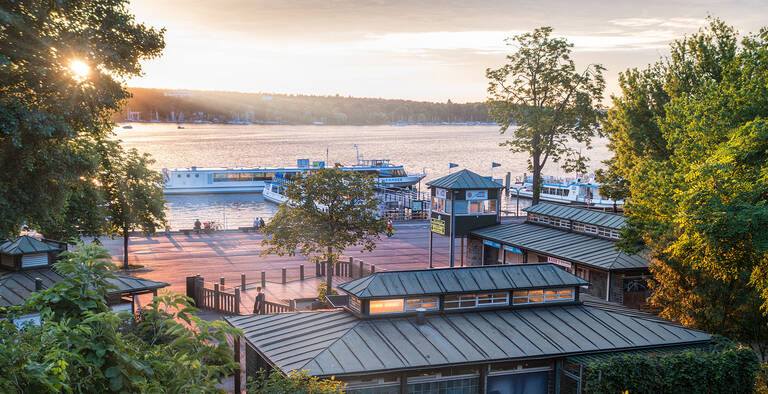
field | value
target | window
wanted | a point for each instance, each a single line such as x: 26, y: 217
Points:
x: 438, y: 204
x: 460, y: 301
x: 386, y: 306
x: 522, y: 297
x: 354, y: 303
x: 493, y: 299
x: 461, y: 207
x: 475, y: 207
x: 463, y: 301
x: 428, y: 303
x: 489, y: 206
x: 590, y: 229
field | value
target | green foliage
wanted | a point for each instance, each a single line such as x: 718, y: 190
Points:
x: 326, y: 212
x: 82, y: 346
x: 727, y: 371
x: 298, y: 109
x: 322, y: 291
x: 49, y: 118
x: 547, y: 103
x: 298, y: 382
x: 690, y: 138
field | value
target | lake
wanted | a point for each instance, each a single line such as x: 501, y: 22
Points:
x: 427, y: 148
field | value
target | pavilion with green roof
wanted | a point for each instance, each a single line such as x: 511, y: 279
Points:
x: 461, y: 202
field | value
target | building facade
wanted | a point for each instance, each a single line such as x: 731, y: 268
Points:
x: 500, y: 329
x: 577, y: 240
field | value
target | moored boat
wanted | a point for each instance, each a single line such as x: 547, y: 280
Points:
x: 583, y: 190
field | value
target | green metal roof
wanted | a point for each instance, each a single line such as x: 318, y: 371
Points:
x: 460, y: 280
x: 464, y: 179
x: 570, y: 246
x: 16, y: 286
x: 338, y: 343
x: 25, y: 245
x: 582, y: 215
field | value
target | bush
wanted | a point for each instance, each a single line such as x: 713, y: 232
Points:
x: 295, y: 383
x: 731, y: 370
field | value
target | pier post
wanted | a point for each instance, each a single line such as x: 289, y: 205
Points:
x: 351, y: 267
x: 362, y: 272
x: 373, y: 269
x: 301, y: 272
x: 221, y: 282
x: 284, y: 269
x: 242, y: 281
x: 263, y: 279
x: 508, y: 184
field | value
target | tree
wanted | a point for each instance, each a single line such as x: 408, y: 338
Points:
x: 133, y: 192
x: 326, y: 212
x: 690, y: 139
x: 61, y: 68
x: 82, y: 346
x: 548, y: 104
x: 297, y: 382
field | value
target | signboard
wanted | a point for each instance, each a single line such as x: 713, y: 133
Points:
x: 418, y: 206
x: 437, y: 226
x: 477, y: 195
x: 491, y: 243
x: 440, y: 193
x: 559, y: 262
x: 513, y: 249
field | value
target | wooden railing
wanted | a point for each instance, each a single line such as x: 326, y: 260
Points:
x: 214, y: 299
x: 349, y: 269
x: 268, y: 307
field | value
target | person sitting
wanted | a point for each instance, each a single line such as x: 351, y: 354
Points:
x: 198, y: 226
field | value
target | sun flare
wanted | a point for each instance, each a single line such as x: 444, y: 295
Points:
x: 80, y: 69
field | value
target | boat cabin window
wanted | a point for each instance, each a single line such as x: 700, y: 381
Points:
x: 555, y: 191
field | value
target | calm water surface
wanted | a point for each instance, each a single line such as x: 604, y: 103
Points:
x: 427, y: 148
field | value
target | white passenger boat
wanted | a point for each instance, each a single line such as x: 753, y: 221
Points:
x: 200, y: 180
x: 583, y: 190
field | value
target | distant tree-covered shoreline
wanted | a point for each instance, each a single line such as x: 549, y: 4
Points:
x: 235, y: 107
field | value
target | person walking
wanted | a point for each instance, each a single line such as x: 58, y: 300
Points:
x: 261, y: 223
x: 258, y: 304
x: 256, y: 224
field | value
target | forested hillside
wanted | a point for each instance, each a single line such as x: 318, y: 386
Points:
x: 210, y: 106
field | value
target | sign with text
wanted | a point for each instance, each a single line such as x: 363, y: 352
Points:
x: 559, y: 262
x: 491, y: 243
x: 440, y: 193
x: 477, y: 194
x: 418, y: 206
x: 513, y: 249
x: 437, y: 226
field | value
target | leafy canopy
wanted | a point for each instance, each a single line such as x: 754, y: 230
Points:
x: 51, y: 117
x: 327, y: 211
x: 548, y: 104
x: 297, y: 382
x: 690, y: 136
x: 84, y: 347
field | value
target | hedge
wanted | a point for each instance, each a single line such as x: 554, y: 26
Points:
x: 727, y: 371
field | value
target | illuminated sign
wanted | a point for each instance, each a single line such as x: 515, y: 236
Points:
x: 437, y: 226
x: 477, y: 195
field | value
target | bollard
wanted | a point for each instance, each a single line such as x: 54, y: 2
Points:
x: 263, y: 279
x: 362, y: 273
x: 351, y: 267
x: 242, y: 281
x: 283, y: 275
x: 373, y: 269
x: 221, y: 281
x: 301, y: 272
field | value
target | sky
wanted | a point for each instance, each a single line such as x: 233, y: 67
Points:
x: 430, y: 50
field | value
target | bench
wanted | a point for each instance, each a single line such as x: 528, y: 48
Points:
x: 247, y: 229
x: 188, y: 231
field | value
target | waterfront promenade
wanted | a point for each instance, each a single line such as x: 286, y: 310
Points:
x: 171, y: 258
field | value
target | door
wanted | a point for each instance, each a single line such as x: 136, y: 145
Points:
x: 518, y: 383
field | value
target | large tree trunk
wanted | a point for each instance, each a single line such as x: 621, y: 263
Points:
x: 126, y: 234
x: 536, y: 177
x: 329, y: 273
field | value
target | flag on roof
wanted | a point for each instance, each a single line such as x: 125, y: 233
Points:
x: 494, y: 164
x: 452, y: 165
